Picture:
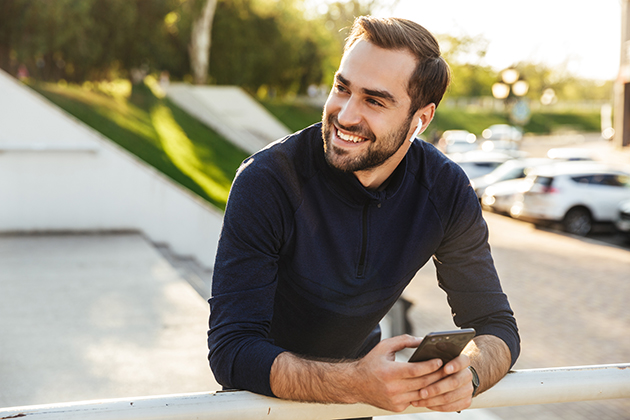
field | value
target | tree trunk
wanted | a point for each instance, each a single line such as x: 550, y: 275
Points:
x: 199, y: 47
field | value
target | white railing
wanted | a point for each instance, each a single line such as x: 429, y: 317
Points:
x: 521, y: 387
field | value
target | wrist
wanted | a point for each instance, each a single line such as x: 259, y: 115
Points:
x: 475, y: 380
x: 355, y: 375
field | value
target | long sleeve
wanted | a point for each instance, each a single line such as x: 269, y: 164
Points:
x: 466, y: 271
x: 245, y: 280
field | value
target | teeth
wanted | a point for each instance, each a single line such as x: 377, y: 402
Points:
x: 348, y: 137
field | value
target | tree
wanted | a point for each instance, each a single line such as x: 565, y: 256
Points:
x: 200, y: 42
x: 268, y: 47
x: 83, y: 40
x: 471, y: 77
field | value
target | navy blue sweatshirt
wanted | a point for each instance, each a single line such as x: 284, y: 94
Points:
x: 309, y: 260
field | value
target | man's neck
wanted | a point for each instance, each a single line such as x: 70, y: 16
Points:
x: 372, y: 179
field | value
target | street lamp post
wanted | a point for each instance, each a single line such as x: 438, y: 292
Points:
x: 511, y: 83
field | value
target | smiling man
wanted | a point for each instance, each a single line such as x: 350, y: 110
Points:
x: 325, y: 228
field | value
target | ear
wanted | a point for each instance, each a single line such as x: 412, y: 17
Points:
x: 425, y: 115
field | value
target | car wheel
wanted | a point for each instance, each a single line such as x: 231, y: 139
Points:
x: 578, y: 221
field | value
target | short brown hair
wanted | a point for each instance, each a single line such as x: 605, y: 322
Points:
x: 431, y: 76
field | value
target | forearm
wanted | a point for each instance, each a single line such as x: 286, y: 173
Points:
x: 375, y: 379
x: 491, y: 358
x: 299, y: 379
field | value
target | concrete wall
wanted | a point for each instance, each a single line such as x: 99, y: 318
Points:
x: 231, y: 112
x: 57, y: 174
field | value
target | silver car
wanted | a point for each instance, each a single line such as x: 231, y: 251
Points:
x: 512, y: 169
x: 478, y: 163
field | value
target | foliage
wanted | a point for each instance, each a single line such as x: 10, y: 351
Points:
x: 255, y: 43
x: 83, y: 40
x: 158, y: 132
x: 469, y: 76
x: 271, y: 44
x: 269, y: 47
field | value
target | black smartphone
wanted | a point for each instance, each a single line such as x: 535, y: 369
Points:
x: 445, y: 345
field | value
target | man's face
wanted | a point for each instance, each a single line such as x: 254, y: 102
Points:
x: 366, y: 117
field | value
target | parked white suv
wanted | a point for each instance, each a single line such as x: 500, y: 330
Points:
x: 577, y: 194
x: 623, y: 220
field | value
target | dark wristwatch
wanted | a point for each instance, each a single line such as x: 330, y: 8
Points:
x: 475, y: 379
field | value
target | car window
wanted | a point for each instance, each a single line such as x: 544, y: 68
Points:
x: 504, y: 169
x: 583, y: 179
x: 545, y: 181
x: 611, y: 180
x: 486, y: 164
x: 517, y: 173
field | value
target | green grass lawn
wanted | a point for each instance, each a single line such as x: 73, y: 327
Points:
x: 296, y: 117
x: 158, y: 132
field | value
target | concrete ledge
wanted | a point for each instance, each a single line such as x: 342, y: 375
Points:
x: 535, y: 386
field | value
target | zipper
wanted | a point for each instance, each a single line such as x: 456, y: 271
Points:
x: 361, y: 268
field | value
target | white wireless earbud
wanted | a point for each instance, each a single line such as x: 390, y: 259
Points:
x: 415, y: 133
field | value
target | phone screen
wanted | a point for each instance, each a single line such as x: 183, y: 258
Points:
x: 445, y: 345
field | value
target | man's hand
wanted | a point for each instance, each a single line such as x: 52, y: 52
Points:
x: 385, y: 383
x: 452, y: 391
x: 490, y: 357
x: 377, y: 379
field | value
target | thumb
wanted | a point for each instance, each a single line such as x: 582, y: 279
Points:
x: 400, y: 342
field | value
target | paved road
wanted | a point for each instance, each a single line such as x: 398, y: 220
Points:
x: 570, y: 296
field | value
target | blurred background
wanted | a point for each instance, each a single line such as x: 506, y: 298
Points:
x: 544, y: 68
x: 277, y: 50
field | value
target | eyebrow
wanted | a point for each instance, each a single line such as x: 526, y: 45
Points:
x: 383, y: 94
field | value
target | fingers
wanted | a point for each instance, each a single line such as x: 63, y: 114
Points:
x: 453, y: 392
x: 410, y: 376
x: 421, y: 369
x: 458, y: 364
x: 400, y: 342
x: 394, y: 385
x: 457, y: 400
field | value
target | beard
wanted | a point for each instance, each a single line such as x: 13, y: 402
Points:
x: 379, y: 150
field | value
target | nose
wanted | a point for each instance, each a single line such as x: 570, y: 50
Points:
x: 349, y: 114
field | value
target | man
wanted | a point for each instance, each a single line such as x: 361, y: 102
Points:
x: 324, y: 229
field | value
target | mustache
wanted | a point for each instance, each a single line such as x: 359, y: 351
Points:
x: 359, y: 130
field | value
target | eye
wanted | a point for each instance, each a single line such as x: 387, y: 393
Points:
x: 341, y: 89
x: 374, y: 102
